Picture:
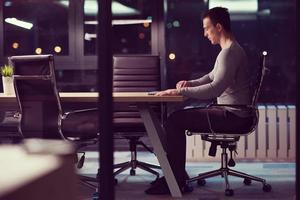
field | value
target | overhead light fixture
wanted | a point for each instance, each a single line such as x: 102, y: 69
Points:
x: 122, y: 21
x: 7, y: 3
x: 236, y: 6
x: 91, y: 8
x: 64, y: 3
x: 20, y: 23
x: 90, y: 36
x: 130, y: 21
x: 118, y: 9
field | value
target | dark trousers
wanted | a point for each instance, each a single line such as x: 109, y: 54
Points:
x: 196, y: 120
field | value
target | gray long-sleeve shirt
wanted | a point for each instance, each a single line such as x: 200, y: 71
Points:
x: 228, y: 81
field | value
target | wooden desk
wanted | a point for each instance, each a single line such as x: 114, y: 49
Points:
x: 152, y: 124
x: 93, y: 97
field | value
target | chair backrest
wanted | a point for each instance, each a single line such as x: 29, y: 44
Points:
x: 133, y: 73
x: 37, y: 95
x: 259, y: 77
x: 136, y: 73
x: 256, y: 83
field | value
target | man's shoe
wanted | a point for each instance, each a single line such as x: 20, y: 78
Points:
x: 158, y: 180
x: 153, y: 190
x: 187, y: 189
x: 160, y: 187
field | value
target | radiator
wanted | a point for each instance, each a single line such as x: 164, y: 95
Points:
x: 274, y: 139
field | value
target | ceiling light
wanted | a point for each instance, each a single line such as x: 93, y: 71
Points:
x: 20, y: 23
x: 122, y: 21
x: 236, y: 6
x: 91, y: 8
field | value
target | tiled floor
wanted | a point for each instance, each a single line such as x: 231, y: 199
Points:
x: 280, y: 175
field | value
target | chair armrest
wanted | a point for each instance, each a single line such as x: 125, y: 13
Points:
x: 230, y: 105
x: 79, y: 124
x: 216, y: 135
x: 78, y: 111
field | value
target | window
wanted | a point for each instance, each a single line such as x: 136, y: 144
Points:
x: 36, y: 27
x: 257, y: 25
x: 131, y: 26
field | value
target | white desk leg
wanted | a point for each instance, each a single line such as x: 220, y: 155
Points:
x: 156, y: 135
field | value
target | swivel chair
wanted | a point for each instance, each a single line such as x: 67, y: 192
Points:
x: 229, y: 140
x: 40, y: 110
x: 133, y: 73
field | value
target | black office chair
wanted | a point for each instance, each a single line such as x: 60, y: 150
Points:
x: 133, y: 73
x: 229, y: 140
x: 9, y: 121
x: 41, y: 112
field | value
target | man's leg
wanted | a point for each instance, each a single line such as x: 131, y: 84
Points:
x: 194, y: 119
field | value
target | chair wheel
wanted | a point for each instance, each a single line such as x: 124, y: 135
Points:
x: 247, y: 181
x: 95, y: 196
x: 267, y: 188
x: 80, y: 162
x: 116, y: 181
x: 229, y: 192
x: 132, y: 172
x: 201, y: 182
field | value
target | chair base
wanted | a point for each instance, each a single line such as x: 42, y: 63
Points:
x: 88, y: 181
x: 133, y: 164
x: 225, y: 171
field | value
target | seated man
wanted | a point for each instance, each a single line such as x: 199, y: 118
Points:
x: 228, y: 82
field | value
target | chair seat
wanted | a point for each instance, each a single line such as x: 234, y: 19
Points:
x: 81, y: 125
x: 220, y: 131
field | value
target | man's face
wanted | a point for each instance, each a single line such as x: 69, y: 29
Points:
x: 211, y: 31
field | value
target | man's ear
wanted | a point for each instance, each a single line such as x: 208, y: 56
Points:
x: 219, y: 27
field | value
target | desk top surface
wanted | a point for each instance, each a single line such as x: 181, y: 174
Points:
x: 117, y: 96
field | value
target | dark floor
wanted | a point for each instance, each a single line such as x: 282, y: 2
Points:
x: 280, y: 175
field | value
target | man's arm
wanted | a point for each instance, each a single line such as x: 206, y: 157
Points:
x: 186, y: 84
x: 201, y: 81
x: 223, y: 76
x: 207, y: 78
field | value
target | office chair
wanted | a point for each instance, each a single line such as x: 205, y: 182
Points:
x: 41, y: 112
x: 133, y: 73
x: 9, y: 121
x: 229, y: 140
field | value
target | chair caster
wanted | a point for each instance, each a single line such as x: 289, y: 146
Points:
x: 132, y: 172
x: 116, y: 181
x: 267, y: 188
x: 95, y: 196
x: 247, y: 181
x: 80, y: 162
x: 201, y: 182
x: 231, y: 162
x: 229, y: 192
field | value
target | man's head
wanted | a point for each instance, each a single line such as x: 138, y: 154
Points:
x: 216, y: 22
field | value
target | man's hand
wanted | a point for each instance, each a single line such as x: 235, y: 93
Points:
x: 169, y: 92
x: 182, y: 84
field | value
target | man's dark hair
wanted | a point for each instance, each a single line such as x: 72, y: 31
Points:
x: 219, y: 15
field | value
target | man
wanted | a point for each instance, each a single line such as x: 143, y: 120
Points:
x: 228, y: 82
